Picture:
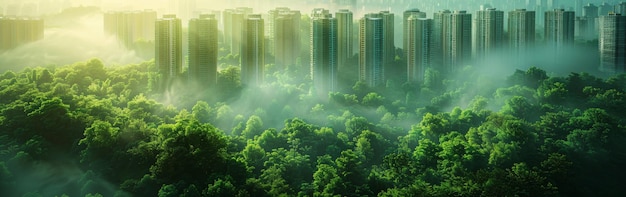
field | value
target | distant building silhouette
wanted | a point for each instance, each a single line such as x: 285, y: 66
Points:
x: 252, y: 51
x: 612, y: 43
x: 18, y: 31
x: 168, y: 50
x: 345, y: 37
x: 202, y: 51
x: 131, y: 26
x: 452, y: 39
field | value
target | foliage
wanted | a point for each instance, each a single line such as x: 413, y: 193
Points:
x: 106, y: 131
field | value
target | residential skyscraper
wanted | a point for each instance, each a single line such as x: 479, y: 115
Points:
x: 202, y: 51
x: 612, y: 43
x: 18, y: 31
x: 605, y: 8
x: 286, y: 38
x: 324, y: 53
x: 590, y: 11
x: 130, y: 26
x: 521, y: 32
x: 559, y: 28
x: 405, y: 16
x: 168, y: 49
x: 418, y: 41
x: 253, y: 51
x: 233, y: 21
x: 389, y: 48
x: 487, y: 32
x: 371, y: 50
x: 345, y: 38
x: 621, y: 8
x: 457, y: 40
x: 441, y: 22
x: 270, y: 27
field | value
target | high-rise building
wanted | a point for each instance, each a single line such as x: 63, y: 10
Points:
x: 590, y: 11
x: 18, y: 31
x: 389, y: 48
x: 168, y: 50
x: 270, y: 27
x: 130, y: 26
x: 418, y: 42
x: 605, y: 8
x: 487, y: 32
x: 621, y: 8
x: 202, y: 51
x: 371, y: 50
x: 521, y: 32
x: 286, y: 39
x: 253, y: 51
x: 405, y: 16
x: 441, y: 22
x: 233, y: 21
x: 559, y: 28
x: 324, y: 53
x: 584, y: 28
x: 456, y: 38
x: 345, y: 38
x: 612, y: 43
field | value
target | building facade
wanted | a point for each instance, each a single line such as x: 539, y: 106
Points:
x: 521, y: 32
x: 612, y: 43
x: 324, y: 54
x: 253, y: 51
x: 371, y: 50
x: 487, y: 32
x: 15, y: 32
x: 345, y: 37
x: 168, y: 50
x: 559, y: 29
x: 418, y: 41
x: 131, y: 26
x: 202, y: 53
x: 286, y: 39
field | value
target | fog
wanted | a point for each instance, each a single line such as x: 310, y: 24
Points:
x: 69, y: 40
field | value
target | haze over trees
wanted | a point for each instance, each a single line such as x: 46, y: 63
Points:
x: 87, y: 130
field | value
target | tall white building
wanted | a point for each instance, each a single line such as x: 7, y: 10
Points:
x: 612, y: 43
x: 168, y: 49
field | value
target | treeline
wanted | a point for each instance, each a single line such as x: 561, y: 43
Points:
x: 90, y: 130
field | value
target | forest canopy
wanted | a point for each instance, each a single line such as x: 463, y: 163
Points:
x: 90, y: 130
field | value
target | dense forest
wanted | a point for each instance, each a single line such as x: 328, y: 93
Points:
x: 93, y: 130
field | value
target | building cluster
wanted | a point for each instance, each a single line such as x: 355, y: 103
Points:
x: 130, y: 26
x: 444, y: 42
x: 16, y: 31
